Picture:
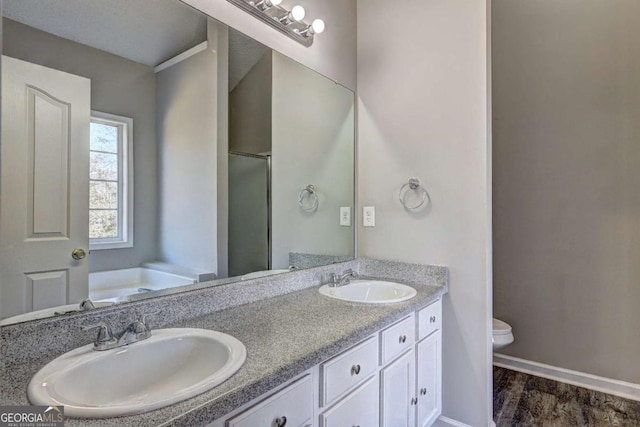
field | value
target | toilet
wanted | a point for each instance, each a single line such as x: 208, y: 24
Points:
x: 502, y: 334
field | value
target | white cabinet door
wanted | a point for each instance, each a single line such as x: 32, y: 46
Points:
x: 429, y: 379
x: 397, y: 389
x: 358, y: 409
x: 44, y: 201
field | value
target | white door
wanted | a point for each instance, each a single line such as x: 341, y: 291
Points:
x: 398, y: 391
x: 44, y: 187
x: 429, y: 379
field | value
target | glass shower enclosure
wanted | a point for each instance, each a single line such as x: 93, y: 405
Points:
x: 249, y: 213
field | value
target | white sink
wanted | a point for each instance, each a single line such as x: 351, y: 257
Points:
x: 172, y: 365
x: 370, y: 292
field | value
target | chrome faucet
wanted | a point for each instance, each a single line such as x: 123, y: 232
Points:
x: 106, y: 339
x: 342, y: 279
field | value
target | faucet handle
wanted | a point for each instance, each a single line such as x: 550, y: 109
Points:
x: 104, y: 333
x: 86, y: 304
x: 334, y: 278
x: 143, y: 318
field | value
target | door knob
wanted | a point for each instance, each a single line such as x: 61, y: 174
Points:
x: 78, y: 253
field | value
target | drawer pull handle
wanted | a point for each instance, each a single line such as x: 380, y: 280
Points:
x: 355, y: 369
x: 281, y: 421
x: 414, y: 400
x: 423, y: 391
x: 403, y: 339
x: 432, y: 319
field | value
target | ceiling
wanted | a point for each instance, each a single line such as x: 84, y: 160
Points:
x: 144, y: 31
x: 244, y: 53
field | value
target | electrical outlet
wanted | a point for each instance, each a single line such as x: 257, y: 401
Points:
x: 368, y: 216
x: 345, y: 216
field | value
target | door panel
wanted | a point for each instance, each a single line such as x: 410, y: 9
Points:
x: 44, y: 194
x: 429, y: 379
x: 48, y: 164
x: 397, y: 385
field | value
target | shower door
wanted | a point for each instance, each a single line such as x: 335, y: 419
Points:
x: 249, y: 213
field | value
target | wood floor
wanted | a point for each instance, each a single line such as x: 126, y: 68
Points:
x: 522, y: 400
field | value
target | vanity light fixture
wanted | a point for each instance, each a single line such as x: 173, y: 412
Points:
x: 267, y: 4
x: 288, y: 22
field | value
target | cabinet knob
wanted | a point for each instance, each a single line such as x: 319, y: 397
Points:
x: 355, y: 369
x: 423, y: 391
x: 432, y: 319
x: 280, y: 421
x: 403, y: 339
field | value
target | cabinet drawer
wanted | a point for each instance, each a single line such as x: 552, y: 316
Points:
x: 361, y: 408
x: 429, y: 319
x: 396, y: 339
x: 349, y: 369
x: 293, y: 406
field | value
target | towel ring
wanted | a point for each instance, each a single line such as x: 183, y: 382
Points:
x: 413, y: 184
x: 310, y: 189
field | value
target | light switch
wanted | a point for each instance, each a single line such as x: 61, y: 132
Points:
x: 368, y: 216
x: 345, y: 216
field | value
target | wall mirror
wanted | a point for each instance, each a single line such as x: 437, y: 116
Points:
x: 150, y: 150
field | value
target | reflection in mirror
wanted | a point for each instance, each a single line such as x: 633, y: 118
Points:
x: 125, y: 127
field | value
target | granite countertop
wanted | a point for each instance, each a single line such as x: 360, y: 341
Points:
x: 284, y: 336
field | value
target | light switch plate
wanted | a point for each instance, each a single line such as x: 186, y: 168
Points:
x: 345, y: 216
x: 368, y: 216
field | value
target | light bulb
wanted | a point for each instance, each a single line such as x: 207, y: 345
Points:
x: 297, y: 13
x: 317, y: 26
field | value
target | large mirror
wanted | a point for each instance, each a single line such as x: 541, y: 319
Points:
x: 148, y: 150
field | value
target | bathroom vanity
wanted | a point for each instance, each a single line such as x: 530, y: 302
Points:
x: 392, y: 378
x: 311, y: 359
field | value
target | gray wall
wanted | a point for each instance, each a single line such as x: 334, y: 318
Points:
x: 312, y: 143
x: 118, y: 86
x: 187, y: 166
x: 333, y: 52
x: 422, y: 83
x: 567, y: 180
x: 250, y: 110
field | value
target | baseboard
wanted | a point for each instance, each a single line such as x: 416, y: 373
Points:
x: 442, y: 420
x: 580, y: 379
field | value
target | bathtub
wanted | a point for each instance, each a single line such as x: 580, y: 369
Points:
x: 116, y: 284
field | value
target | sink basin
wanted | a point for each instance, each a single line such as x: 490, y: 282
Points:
x: 172, y: 365
x: 370, y: 292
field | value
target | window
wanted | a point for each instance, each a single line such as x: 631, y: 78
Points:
x: 110, y: 182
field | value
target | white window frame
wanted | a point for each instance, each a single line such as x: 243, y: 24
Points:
x: 125, y: 183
